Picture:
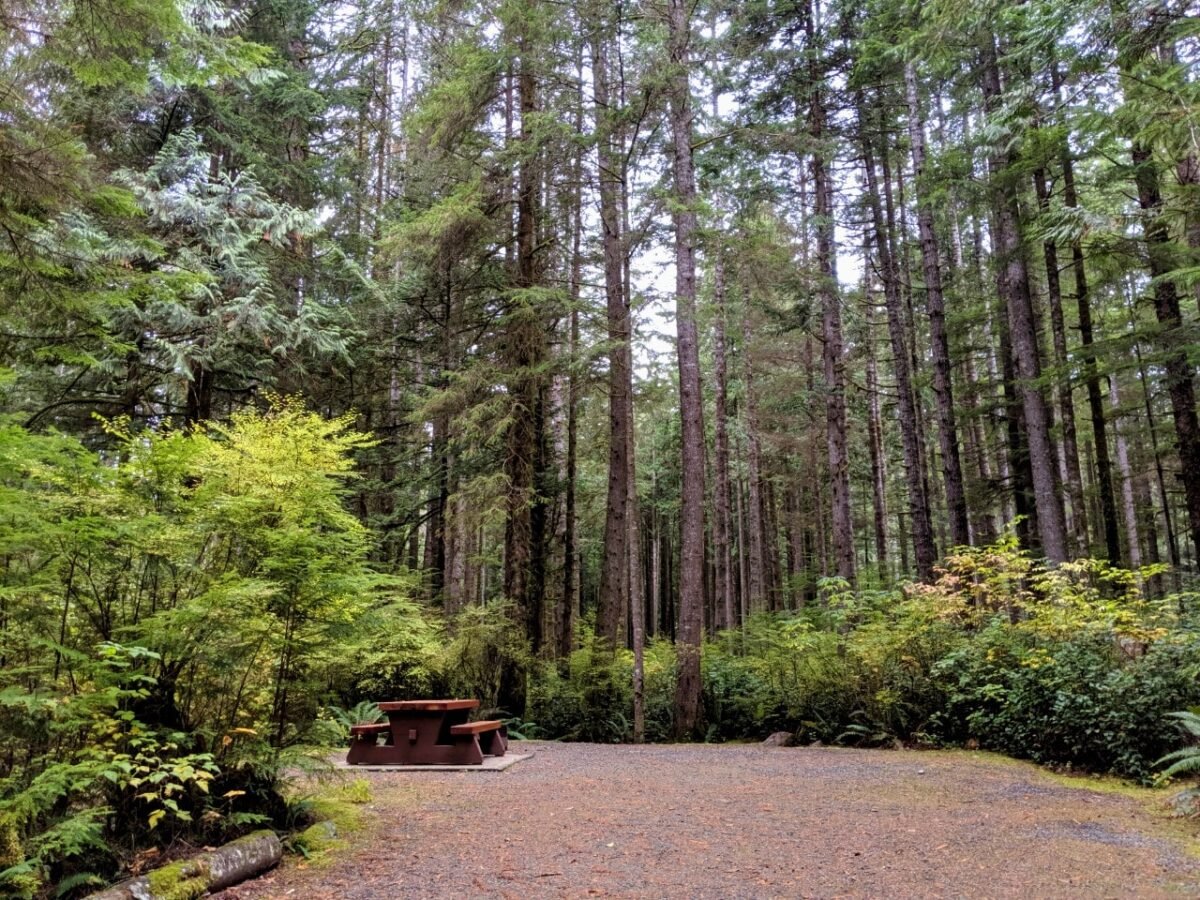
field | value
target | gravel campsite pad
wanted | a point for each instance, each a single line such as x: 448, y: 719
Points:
x: 746, y: 821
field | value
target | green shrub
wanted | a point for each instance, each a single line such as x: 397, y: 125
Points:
x: 1071, y: 665
x: 487, y: 658
x: 659, y: 689
x: 1185, y: 761
x: 180, y: 609
x: 1082, y: 702
x: 587, y: 697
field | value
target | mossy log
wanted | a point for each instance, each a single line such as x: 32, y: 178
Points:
x: 206, y: 873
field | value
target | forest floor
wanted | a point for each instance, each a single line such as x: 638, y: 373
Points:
x: 727, y: 821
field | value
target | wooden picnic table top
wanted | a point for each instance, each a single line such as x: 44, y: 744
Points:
x: 427, y: 705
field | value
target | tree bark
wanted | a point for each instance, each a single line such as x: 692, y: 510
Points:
x: 614, y: 575
x: 1160, y: 474
x: 525, y: 345
x: 756, y: 568
x: 1178, y: 371
x: 688, y: 711
x: 1014, y: 288
x: 570, y: 599
x: 740, y: 555
x: 1128, y: 506
x: 1016, y: 446
x: 637, y: 600
x: 918, y: 503
x: 208, y: 872
x: 200, y: 386
x: 935, y: 308
x: 1108, y: 504
x: 831, y: 321
x: 875, y: 442
x: 1066, y: 402
x: 721, y: 525
x: 1187, y: 173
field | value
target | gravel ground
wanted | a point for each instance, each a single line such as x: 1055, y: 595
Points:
x: 701, y: 821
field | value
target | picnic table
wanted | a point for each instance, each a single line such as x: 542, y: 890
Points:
x: 427, y: 733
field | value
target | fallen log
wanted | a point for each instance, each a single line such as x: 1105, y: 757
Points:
x: 206, y: 873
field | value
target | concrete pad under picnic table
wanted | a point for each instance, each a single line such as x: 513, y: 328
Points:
x: 490, y: 764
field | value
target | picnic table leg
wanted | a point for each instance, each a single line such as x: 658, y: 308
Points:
x: 363, y: 749
x: 494, y: 743
x: 466, y: 751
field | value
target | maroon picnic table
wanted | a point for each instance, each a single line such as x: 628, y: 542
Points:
x: 427, y: 733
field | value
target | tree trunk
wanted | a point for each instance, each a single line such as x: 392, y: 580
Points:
x: 688, y: 709
x: 831, y: 323
x: 199, y: 395
x: 875, y: 442
x: 1149, y: 529
x: 740, y: 555
x: 656, y: 563
x: 1160, y: 474
x: 1178, y: 370
x: 1014, y: 288
x: 756, y: 588
x: 1128, y: 506
x: 457, y: 536
x: 900, y: 263
x: 918, y: 504
x: 977, y: 448
x: 614, y: 575
x: 998, y: 359
x: 721, y: 525
x: 637, y: 600
x: 1187, y: 173
x: 956, y: 496
x: 1016, y: 446
x: 1108, y: 504
x: 525, y: 352
x: 1066, y: 402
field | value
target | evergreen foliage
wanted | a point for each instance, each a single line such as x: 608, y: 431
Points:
x: 641, y: 370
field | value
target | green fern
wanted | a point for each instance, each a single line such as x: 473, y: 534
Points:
x: 1185, y: 761
x: 78, y: 880
x: 363, y: 712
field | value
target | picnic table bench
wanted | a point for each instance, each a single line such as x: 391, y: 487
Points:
x: 426, y: 733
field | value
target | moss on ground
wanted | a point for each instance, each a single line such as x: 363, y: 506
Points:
x: 318, y: 841
x: 338, y: 809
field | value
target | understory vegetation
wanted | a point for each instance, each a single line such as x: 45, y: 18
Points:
x: 192, y: 617
x: 1072, y: 666
x: 174, y: 611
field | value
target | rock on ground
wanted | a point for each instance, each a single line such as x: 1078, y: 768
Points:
x: 780, y: 739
